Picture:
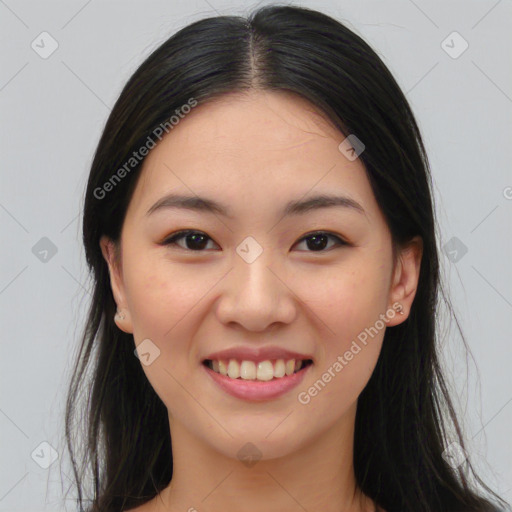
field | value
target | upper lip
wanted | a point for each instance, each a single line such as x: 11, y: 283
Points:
x: 257, y: 354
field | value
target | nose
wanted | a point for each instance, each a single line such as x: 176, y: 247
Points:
x: 255, y: 296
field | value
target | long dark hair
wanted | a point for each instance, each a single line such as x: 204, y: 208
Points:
x: 405, y: 418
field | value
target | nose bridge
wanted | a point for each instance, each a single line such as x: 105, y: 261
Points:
x: 255, y: 284
x: 254, y: 296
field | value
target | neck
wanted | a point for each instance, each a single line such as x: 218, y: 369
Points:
x: 319, y: 476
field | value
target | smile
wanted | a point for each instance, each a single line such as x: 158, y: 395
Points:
x: 257, y: 381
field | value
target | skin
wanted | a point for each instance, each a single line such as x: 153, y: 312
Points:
x: 254, y: 152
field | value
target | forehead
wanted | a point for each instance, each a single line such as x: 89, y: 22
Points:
x: 267, y: 120
x: 251, y: 147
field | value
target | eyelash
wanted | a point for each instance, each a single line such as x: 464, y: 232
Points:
x: 172, y: 240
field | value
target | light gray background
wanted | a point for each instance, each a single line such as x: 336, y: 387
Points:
x: 53, y: 111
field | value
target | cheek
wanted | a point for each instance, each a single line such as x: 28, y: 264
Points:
x: 161, y: 299
x: 348, y: 303
x: 160, y: 295
x: 347, y: 298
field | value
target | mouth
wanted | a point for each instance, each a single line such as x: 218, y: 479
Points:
x: 262, y: 371
x: 258, y: 380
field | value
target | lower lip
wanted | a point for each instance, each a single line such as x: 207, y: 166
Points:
x: 257, y: 390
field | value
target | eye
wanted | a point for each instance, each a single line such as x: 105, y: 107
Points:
x: 194, y: 240
x: 317, y: 241
x: 197, y: 240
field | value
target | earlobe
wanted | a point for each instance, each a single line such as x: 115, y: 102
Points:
x: 123, y: 321
x: 405, y: 279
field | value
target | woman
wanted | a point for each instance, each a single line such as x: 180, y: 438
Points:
x: 262, y: 336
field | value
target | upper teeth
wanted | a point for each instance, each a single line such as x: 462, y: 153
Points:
x: 249, y: 370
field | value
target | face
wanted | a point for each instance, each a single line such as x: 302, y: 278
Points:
x: 315, y: 282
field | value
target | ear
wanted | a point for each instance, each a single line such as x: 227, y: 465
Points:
x: 113, y: 258
x: 405, y: 279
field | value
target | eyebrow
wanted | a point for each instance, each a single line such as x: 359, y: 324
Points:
x: 294, y: 207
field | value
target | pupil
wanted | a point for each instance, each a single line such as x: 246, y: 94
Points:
x: 316, y: 244
x: 195, y: 237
